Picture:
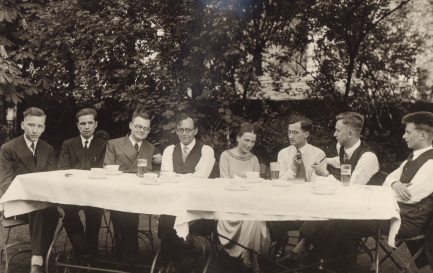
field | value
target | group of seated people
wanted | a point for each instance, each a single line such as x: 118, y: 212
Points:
x: 191, y: 158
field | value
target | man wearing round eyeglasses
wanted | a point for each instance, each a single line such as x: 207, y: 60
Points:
x: 188, y: 157
x: 30, y: 154
x: 125, y: 152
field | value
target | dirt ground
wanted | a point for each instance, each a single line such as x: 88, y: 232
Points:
x: 20, y: 263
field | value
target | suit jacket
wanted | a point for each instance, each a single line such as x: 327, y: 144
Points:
x: 74, y: 156
x: 16, y: 158
x: 121, y: 152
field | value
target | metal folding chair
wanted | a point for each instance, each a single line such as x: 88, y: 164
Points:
x: 390, y: 253
x: 21, y: 246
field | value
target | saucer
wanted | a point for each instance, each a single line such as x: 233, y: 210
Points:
x: 235, y: 188
x: 113, y: 172
x: 150, y: 183
x: 281, y: 183
x: 168, y: 180
x: 97, y: 176
x: 296, y: 180
x: 254, y: 180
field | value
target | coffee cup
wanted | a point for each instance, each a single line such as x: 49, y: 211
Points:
x: 97, y: 170
x: 112, y: 168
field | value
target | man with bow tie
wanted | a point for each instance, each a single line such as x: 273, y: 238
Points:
x: 125, y: 152
x: 83, y: 152
x: 29, y: 154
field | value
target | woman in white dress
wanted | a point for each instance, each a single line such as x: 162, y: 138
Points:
x: 251, y: 234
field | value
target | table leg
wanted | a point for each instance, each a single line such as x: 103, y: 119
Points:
x: 50, y: 249
x: 377, y: 262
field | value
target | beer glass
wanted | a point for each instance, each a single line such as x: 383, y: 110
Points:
x: 275, y: 170
x: 346, y: 172
x: 141, y: 167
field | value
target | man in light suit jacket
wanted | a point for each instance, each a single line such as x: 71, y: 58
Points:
x: 28, y: 154
x: 125, y: 151
x: 83, y: 152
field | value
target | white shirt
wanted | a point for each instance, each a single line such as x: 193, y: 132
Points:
x: 367, y: 165
x: 133, y: 142
x: 29, y: 144
x: 189, y: 146
x: 310, y: 155
x: 83, y: 141
x: 421, y: 184
x: 202, y: 169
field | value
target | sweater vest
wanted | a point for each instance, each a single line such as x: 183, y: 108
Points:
x: 419, y: 213
x: 356, y: 155
x: 190, y: 162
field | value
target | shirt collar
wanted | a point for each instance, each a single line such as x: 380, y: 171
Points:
x: 83, y: 140
x: 350, y: 151
x: 29, y: 143
x: 135, y: 142
x: 420, y: 151
x: 303, y: 148
x: 190, y: 146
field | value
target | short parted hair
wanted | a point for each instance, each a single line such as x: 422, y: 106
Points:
x: 140, y: 113
x: 183, y: 116
x: 34, y: 111
x: 85, y: 112
x: 423, y: 121
x: 352, y: 119
x: 247, y: 128
x: 306, y: 124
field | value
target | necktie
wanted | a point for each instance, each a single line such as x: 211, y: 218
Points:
x: 32, y: 146
x: 137, y: 148
x: 301, y: 170
x: 86, y: 144
x: 185, y: 153
x: 345, y: 157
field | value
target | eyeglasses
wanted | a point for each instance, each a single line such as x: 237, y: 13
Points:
x: 139, y: 127
x: 184, y: 130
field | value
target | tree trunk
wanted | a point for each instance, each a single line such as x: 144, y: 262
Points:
x: 349, y: 71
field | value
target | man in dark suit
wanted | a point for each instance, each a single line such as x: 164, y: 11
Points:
x: 83, y: 152
x: 125, y: 151
x: 28, y: 154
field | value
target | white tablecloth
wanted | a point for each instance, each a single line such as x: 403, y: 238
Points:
x: 199, y: 198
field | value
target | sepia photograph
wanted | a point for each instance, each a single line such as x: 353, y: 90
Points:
x: 216, y: 136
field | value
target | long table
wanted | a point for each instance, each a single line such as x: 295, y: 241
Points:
x: 192, y: 199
